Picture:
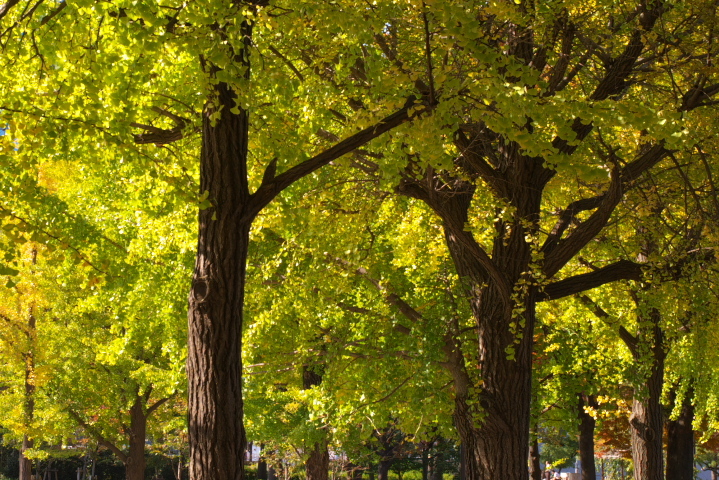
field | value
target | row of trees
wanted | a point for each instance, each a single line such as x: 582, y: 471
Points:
x: 523, y: 214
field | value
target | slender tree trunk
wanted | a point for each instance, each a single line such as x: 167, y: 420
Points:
x: 262, y: 465
x: 425, y: 460
x: 178, y: 472
x: 587, y: 425
x: 535, y: 468
x: 94, y: 464
x: 680, y: 443
x: 29, y: 406
x: 135, y: 461
x: 317, y: 464
x: 646, y: 420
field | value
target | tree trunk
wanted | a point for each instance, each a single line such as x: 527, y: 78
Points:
x: 135, y: 461
x: 384, y: 465
x: 436, y: 466
x: 680, y: 444
x: 425, y: 460
x: 214, y: 364
x: 261, y: 466
x: 492, y: 420
x: 493, y: 448
x: 535, y: 468
x: 586, y: 437
x: 317, y: 464
x: 646, y: 420
x: 25, y: 463
x: 29, y: 400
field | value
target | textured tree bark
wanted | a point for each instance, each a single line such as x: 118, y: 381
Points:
x: 680, y: 443
x: 214, y: 365
x: 535, y: 468
x: 217, y: 434
x: 587, y: 425
x: 646, y: 421
x: 135, y: 462
x: 318, y: 463
x: 25, y: 463
x: 495, y: 445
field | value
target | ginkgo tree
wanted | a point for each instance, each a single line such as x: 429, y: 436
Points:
x: 342, y: 321
x: 94, y: 73
x: 110, y: 269
x: 543, y: 115
x: 548, y: 115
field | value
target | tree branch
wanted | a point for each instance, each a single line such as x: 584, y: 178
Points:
x: 60, y: 7
x: 6, y: 7
x: 267, y: 191
x: 100, y: 438
x: 629, y: 340
x: 567, y: 248
x: 390, y: 298
x: 566, y: 217
x: 156, y: 405
x: 617, y: 74
x: 621, y: 270
x: 564, y: 250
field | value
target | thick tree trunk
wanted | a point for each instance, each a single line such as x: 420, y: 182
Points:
x: 680, y: 444
x: 383, y: 471
x: 646, y: 420
x: 587, y: 425
x: 436, y: 466
x: 25, y: 463
x: 135, y: 461
x: 214, y: 366
x: 318, y: 463
x: 535, y: 468
x: 499, y: 446
x: 493, y: 424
